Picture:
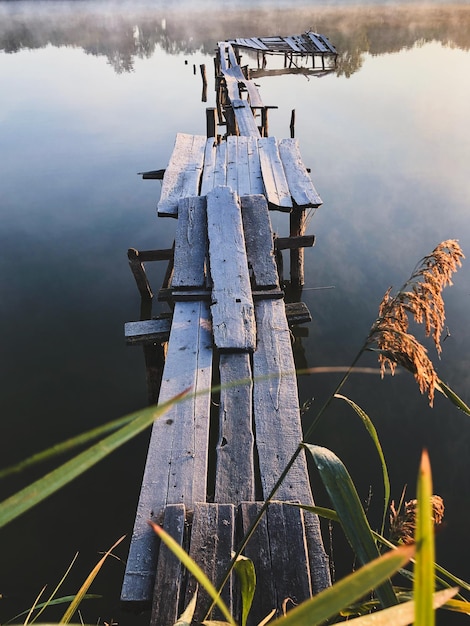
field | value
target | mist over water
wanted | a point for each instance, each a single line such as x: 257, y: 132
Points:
x: 91, y: 95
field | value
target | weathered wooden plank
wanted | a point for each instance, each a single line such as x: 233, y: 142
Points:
x: 276, y: 407
x: 291, y: 243
x: 220, y: 171
x: 146, y: 331
x: 317, y: 42
x: 301, y: 187
x: 259, y: 241
x: 232, y: 303
x: 235, y: 474
x: 183, y: 173
x: 278, y: 426
x: 190, y: 244
x: 297, y: 313
x: 259, y: 43
x: 176, y: 466
x: 275, y: 183
x: 232, y: 163
x: 254, y: 166
x: 166, y: 596
x: 212, y: 543
x: 208, y: 172
x: 324, y: 39
x: 245, y: 119
x: 278, y: 549
x: 293, y: 44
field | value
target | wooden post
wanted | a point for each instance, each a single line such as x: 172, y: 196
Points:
x: 297, y: 228
x: 138, y: 270
x: 211, y: 122
x: 292, y: 124
x: 264, y: 122
x: 204, y: 82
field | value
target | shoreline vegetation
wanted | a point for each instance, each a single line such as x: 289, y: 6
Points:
x: 140, y: 28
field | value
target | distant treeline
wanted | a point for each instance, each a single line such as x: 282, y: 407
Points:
x: 135, y: 31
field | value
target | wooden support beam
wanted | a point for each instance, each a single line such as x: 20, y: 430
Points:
x: 294, y: 242
x: 138, y: 271
x: 148, y: 331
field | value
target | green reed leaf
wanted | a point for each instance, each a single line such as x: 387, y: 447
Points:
x: 332, y: 600
x: 423, y: 584
x: 194, y: 569
x: 39, y: 490
x: 245, y: 571
x: 375, y: 438
x: 402, y: 614
x: 453, y: 397
x: 348, y: 507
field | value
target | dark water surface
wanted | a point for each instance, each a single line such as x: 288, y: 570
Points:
x: 92, y: 94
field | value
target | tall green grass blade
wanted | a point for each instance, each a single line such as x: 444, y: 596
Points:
x: 34, y: 493
x: 65, y: 446
x: 423, y: 585
x: 194, y: 569
x: 403, y: 614
x: 54, y: 602
x: 49, y: 601
x: 245, y: 571
x: 331, y: 601
x: 347, y: 505
x: 453, y: 397
x: 69, y: 613
x: 375, y: 438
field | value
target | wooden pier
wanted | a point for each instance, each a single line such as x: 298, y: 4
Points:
x: 214, y: 458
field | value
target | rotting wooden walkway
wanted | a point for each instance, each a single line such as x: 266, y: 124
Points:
x: 215, y: 457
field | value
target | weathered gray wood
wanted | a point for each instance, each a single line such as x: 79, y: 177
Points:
x: 176, y: 466
x: 183, y: 173
x: 300, y: 184
x: 317, y: 42
x: 190, y: 244
x: 212, y: 542
x: 235, y: 474
x: 275, y: 183
x: 245, y: 120
x: 190, y: 295
x: 278, y: 549
x: 166, y: 596
x: 292, y: 243
x: 146, y: 331
x: 297, y: 313
x: 276, y: 406
x: 209, y: 166
x: 294, y: 45
x: 278, y: 427
x: 232, y: 304
x: 259, y: 241
x: 140, y: 276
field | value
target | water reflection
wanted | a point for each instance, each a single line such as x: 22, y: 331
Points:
x: 123, y: 34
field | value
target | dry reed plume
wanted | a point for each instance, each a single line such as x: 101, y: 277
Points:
x: 421, y: 297
x: 402, y: 527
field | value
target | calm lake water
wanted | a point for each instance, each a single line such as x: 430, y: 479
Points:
x: 91, y: 94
